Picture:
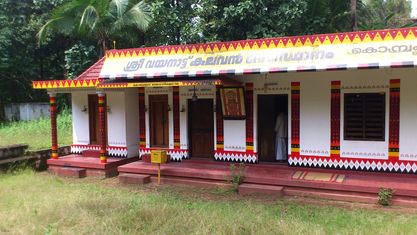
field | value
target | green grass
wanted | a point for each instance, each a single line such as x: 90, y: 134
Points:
x: 39, y: 203
x: 37, y: 133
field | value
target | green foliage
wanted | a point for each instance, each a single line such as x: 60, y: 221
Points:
x: 36, y: 133
x: 99, y: 20
x: 235, y: 20
x: 21, y: 61
x: 237, y: 175
x: 78, y: 58
x: 383, y: 14
x: 174, y: 22
x: 385, y: 196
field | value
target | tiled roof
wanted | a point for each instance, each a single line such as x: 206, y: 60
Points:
x: 93, y: 72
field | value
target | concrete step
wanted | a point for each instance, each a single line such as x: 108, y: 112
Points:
x: 332, y: 195
x: 369, y: 198
x: 102, y: 173
x: 73, y: 172
x: 259, y: 189
x: 134, y: 179
x: 91, y: 153
x: 176, y: 170
x: 191, y: 182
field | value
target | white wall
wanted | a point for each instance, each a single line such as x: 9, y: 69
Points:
x: 314, y: 112
x: 234, y: 134
x: 315, y: 108
x: 315, y: 117
x: 408, y: 114
x: 116, y: 118
x: 26, y: 111
x: 80, y: 122
x: 122, y: 119
x: 132, y: 121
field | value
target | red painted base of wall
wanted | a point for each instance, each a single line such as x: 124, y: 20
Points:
x: 91, y: 153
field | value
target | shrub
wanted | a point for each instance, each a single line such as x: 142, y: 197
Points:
x: 385, y: 196
x: 237, y: 175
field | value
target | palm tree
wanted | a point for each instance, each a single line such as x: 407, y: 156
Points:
x: 382, y: 14
x: 353, y: 6
x: 100, y: 20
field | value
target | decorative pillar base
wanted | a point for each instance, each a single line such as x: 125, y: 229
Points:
x: 102, y: 116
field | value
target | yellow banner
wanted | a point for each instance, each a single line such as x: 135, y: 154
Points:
x: 370, y: 54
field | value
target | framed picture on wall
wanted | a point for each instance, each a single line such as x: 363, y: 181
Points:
x: 233, y: 103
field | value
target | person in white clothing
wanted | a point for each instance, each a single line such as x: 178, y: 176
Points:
x: 281, y: 134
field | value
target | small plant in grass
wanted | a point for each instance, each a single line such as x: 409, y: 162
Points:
x: 237, y: 175
x: 385, y: 196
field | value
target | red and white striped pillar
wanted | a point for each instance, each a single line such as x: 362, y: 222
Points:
x: 102, y: 126
x: 54, y: 132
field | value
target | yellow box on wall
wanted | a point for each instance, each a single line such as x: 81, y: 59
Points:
x: 158, y: 156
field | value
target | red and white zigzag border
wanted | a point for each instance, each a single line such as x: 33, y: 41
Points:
x: 176, y: 154
x: 248, y: 157
x: 354, y: 163
x: 114, y: 151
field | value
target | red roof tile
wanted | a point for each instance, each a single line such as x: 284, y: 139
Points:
x: 93, y: 72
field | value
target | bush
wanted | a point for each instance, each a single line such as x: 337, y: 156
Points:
x: 237, y: 175
x: 385, y: 196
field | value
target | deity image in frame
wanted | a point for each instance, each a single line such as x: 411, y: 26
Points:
x: 233, y: 103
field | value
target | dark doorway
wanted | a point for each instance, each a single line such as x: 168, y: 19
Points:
x: 269, y: 108
x: 201, y: 128
x: 93, y: 119
x: 159, y: 122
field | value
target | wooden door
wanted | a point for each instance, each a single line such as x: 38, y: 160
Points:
x: 159, y: 121
x: 266, y: 124
x: 201, y: 128
x: 93, y: 119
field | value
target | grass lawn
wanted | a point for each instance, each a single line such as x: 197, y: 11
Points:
x: 39, y: 203
x: 37, y: 133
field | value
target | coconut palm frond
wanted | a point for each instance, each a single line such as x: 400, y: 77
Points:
x: 140, y: 15
x: 64, y: 25
x: 70, y: 8
x: 119, y: 7
x: 89, y: 18
x: 43, y: 32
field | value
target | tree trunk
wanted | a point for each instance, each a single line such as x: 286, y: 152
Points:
x: 102, y: 47
x: 354, y: 16
x: 2, y: 114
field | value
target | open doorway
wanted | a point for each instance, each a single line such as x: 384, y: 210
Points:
x: 273, y: 128
x: 201, y: 128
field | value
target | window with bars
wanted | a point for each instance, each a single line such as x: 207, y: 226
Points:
x: 364, y: 116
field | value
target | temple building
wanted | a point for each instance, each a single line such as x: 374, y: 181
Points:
x: 343, y: 100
